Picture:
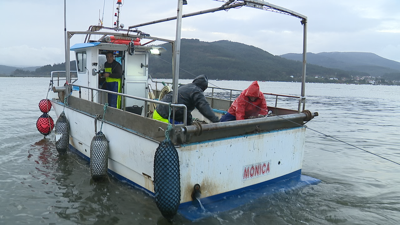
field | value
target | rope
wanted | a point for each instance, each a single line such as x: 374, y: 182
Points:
x: 48, y: 110
x: 104, y: 114
x: 47, y: 95
x: 329, y: 136
x: 337, y: 139
x: 65, y: 100
x: 169, y: 127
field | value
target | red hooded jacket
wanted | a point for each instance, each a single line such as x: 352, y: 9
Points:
x: 243, y: 108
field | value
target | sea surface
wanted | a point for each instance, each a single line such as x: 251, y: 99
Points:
x: 357, y: 187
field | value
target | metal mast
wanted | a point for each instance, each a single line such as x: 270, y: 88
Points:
x: 303, y: 80
x: 66, y: 39
x: 177, y: 52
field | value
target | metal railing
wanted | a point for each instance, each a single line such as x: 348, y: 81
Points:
x: 300, y: 99
x: 60, y: 78
x: 146, y: 100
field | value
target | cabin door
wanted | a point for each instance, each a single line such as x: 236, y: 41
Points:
x: 136, y: 75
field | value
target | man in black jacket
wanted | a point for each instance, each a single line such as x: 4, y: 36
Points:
x: 113, y: 75
x: 190, y: 95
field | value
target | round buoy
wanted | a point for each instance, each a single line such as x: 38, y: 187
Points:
x: 167, y: 184
x: 45, y: 105
x: 99, y: 156
x: 62, y: 133
x: 45, y: 124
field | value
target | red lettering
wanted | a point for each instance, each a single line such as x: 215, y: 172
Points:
x: 246, y: 173
x: 255, y: 170
x: 258, y: 168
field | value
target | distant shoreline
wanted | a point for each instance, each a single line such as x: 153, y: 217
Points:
x: 313, y: 82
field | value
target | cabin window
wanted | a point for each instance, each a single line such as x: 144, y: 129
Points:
x: 81, y: 61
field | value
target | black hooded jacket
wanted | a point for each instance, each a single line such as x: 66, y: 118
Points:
x: 192, y: 96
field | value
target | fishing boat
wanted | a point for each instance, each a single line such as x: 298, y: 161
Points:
x: 188, y: 169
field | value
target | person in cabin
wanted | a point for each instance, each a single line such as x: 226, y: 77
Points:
x: 113, y: 75
x: 190, y: 95
x: 250, y: 103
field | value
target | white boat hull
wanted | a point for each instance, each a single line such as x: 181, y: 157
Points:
x: 218, y: 166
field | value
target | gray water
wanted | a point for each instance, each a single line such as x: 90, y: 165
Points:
x: 38, y: 187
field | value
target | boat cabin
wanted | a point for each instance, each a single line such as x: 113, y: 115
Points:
x: 90, y: 59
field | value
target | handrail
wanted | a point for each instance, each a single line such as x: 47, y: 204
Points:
x: 231, y: 96
x: 146, y: 100
x: 58, y: 77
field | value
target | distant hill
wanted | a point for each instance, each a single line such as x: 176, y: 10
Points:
x: 236, y: 61
x: 7, y: 70
x: 233, y: 61
x: 33, y: 71
x: 363, y: 62
x: 31, y: 68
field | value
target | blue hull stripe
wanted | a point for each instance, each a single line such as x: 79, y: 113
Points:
x: 112, y: 173
x: 233, y: 199
x: 228, y: 200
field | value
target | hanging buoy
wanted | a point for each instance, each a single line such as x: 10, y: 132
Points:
x: 167, y: 186
x: 45, y: 105
x: 45, y: 124
x: 99, y: 156
x: 62, y: 133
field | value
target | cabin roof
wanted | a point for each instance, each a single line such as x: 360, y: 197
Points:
x: 84, y: 45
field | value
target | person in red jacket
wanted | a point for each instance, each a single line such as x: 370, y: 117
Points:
x: 251, y: 102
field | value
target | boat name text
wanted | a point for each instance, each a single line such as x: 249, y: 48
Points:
x: 255, y: 170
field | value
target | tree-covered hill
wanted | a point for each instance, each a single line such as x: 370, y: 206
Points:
x: 233, y: 61
x: 42, y: 71
x: 226, y: 60
x: 369, y: 63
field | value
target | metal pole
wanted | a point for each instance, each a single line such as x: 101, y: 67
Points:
x: 67, y: 60
x: 212, y: 97
x: 65, y: 27
x: 289, y: 118
x: 177, y: 52
x: 177, y: 49
x: 189, y: 15
x: 303, y: 83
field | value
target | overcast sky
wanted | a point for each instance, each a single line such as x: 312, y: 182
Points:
x: 32, y: 30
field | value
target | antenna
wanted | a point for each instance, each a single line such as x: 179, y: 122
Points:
x: 100, y: 22
x: 116, y: 24
x: 102, y: 18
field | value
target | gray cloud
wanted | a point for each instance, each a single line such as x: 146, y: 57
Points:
x: 33, y: 30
